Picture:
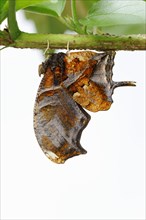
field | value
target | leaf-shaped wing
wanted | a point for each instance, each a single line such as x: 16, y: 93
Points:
x: 58, y: 123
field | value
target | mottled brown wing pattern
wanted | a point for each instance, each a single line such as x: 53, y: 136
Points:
x: 58, y: 123
x: 71, y: 81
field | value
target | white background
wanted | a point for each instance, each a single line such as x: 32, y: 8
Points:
x: 106, y: 183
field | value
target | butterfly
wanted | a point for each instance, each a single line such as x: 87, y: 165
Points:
x: 71, y: 82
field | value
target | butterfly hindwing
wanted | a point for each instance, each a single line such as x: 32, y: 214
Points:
x: 58, y: 123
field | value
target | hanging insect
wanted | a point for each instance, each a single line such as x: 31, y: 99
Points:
x: 71, y: 81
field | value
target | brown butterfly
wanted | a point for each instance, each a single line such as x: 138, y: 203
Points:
x: 71, y: 81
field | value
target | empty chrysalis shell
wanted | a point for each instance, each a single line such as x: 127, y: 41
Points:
x: 71, y: 81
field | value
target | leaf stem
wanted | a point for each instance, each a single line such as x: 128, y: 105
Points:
x: 12, y: 22
x: 77, y: 26
x: 74, y: 12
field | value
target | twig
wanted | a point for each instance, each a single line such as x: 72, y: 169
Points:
x: 59, y: 41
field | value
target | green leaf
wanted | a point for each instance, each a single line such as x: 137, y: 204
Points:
x: 50, y: 25
x: 53, y: 8
x: 49, y: 7
x: 2, y: 3
x: 115, y: 13
x: 20, y: 4
x: 3, y: 9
